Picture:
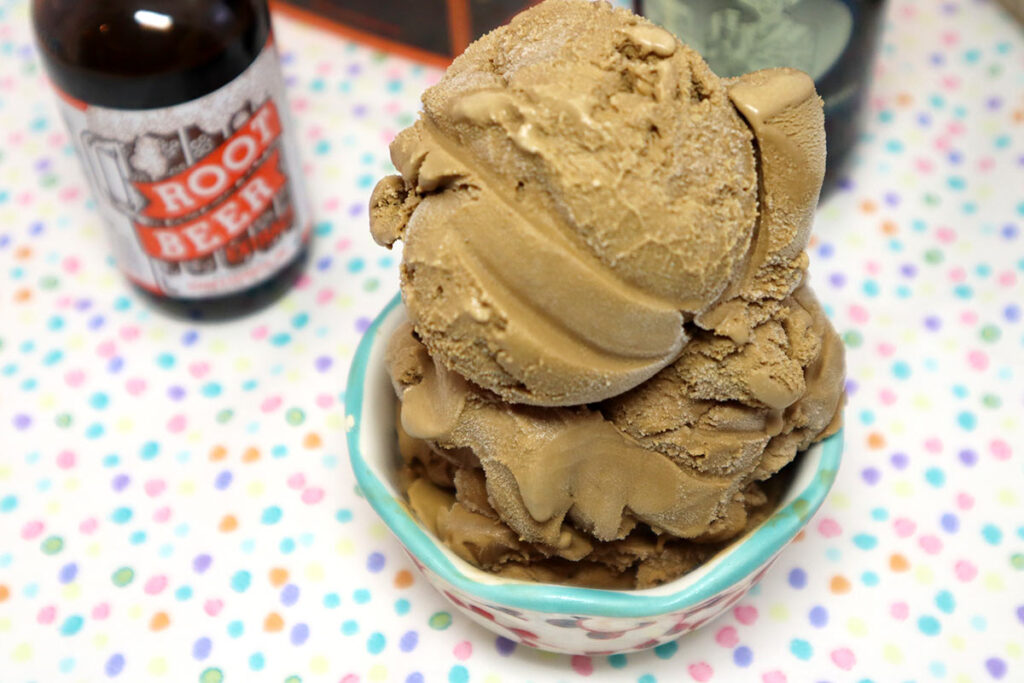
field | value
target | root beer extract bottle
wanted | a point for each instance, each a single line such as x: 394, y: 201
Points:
x: 177, y: 109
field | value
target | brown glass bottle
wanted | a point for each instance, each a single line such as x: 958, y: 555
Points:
x: 177, y: 110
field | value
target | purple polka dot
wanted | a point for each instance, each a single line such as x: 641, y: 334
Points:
x: 115, y: 365
x: 114, y: 665
x: 409, y: 641
x: 837, y: 280
x: 189, y: 338
x: 937, y: 59
x: 176, y: 393
x: 68, y: 573
x: 324, y: 263
x: 356, y: 209
x: 323, y: 363
x: 994, y: 103
x: 1009, y: 231
x: 22, y: 421
x: 505, y: 646
x: 223, y: 480
x: 955, y: 157
x: 968, y: 457
x: 826, y: 250
x: 818, y: 616
x: 892, y: 199
x: 359, y: 111
x: 871, y: 475
x: 899, y: 460
x: 201, y: 563
x: 908, y: 270
x: 96, y: 322
x: 414, y: 677
x: 201, y: 648
x: 950, y: 523
x: 362, y: 324
x: 1012, y: 313
x: 996, y: 667
x: 83, y: 304
x: 1020, y: 614
x: 299, y: 634
x: 5, y: 240
x: 797, y: 578
x: 924, y: 120
x: 933, y: 323
x: 289, y: 595
x: 120, y: 482
x: 846, y: 184
x: 851, y: 387
x: 742, y: 656
x: 375, y: 562
x: 354, y: 69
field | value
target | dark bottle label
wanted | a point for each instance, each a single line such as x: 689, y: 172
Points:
x: 201, y: 198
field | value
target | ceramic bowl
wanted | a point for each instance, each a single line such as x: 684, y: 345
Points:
x: 552, y: 617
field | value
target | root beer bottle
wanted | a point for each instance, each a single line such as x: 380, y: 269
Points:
x: 178, y: 112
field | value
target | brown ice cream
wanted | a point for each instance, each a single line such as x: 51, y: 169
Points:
x: 609, y: 345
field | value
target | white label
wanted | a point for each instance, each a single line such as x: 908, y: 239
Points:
x: 201, y: 199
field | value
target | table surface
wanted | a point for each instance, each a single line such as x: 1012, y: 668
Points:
x: 176, y: 502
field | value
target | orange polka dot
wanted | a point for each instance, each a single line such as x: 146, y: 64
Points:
x: 898, y: 563
x: 228, y: 523
x: 23, y: 253
x: 278, y: 576
x: 312, y: 440
x: 890, y: 227
x: 218, y: 453
x: 252, y: 454
x: 159, y: 622
x: 839, y: 585
x: 22, y: 295
x: 5, y: 592
x: 904, y: 99
x: 876, y: 440
x: 273, y: 623
x: 403, y: 579
x: 868, y: 206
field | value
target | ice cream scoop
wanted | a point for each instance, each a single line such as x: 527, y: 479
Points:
x: 578, y: 186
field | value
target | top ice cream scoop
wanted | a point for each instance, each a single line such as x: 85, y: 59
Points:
x: 579, y: 186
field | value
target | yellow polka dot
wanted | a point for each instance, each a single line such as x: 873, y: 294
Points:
x: 5, y: 624
x: 344, y: 547
x: 218, y: 346
x: 924, y: 574
x: 897, y: 428
x: 318, y: 664
x: 72, y: 483
x: 857, y: 627
x: 378, y: 672
x: 71, y: 592
x: 242, y: 364
x: 125, y: 425
x: 100, y: 641
x: 492, y: 679
x: 93, y: 550
x: 778, y: 612
x: 922, y: 402
x: 157, y: 666
x: 378, y: 530
x: 315, y: 572
x: 53, y: 507
x: 993, y: 582
x: 255, y: 488
x: 336, y: 420
x: 840, y: 501
x: 5, y: 472
x: 892, y: 654
x: 135, y: 611
x: 187, y: 488
x: 195, y: 437
x: 22, y: 653
x: 1013, y: 650
x: 1007, y: 497
x: 903, y: 488
x: 76, y: 342
x: 957, y: 643
x: 963, y: 678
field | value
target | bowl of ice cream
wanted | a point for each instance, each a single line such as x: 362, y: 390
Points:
x: 608, y: 396
x: 551, y: 616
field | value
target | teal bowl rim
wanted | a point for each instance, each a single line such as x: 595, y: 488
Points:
x: 743, y: 559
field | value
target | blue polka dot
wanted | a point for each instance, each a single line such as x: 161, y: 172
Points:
x: 945, y: 601
x: 797, y: 578
x: 950, y: 523
x: 240, y: 581
x: 183, y: 593
x: 256, y: 661
x: 68, y: 573
x: 223, y: 480
x: 289, y: 595
x: 99, y: 400
x: 967, y: 420
x: 8, y: 503
x: 114, y: 665
x: 458, y: 674
x: 742, y: 656
x: 929, y: 625
x: 408, y: 641
x: 165, y: 361
x: 869, y: 578
x: 879, y: 514
x: 299, y: 634
x: 343, y: 516
x: 149, y: 450
x: 402, y: 606
x: 71, y: 625
x: 801, y: 649
x: 350, y: 627
x: 375, y: 562
x: 935, y: 476
x: 414, y: 677
x: 666, y: 650
x: 865, y: 541
x: 201, y: 648
x: 992, y: 534
x: 361, y: 596
x: 271, y: 515
x: 287, y: 545
x: 375, y: 643
x: 900, y: 370
x: 235, y: 629
x: 331, y: 600
x: 121, y: 515
x: 818, y: 616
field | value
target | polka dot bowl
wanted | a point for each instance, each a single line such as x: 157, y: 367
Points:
x: 563, y: 619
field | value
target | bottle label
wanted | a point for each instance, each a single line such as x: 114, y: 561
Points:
x: 204, y: 198
x: 739, y: 36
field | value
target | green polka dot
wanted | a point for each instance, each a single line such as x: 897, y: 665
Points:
x: 990, y: 333
x: 853, y: 339
x: 991, y: 401
x: 63, y: 420
x: 225, y: 415
x: 295, y: 416
x: 123, y: 576
x: 1017, y: 561
x: 439, y: 621
x: 933, y: 257
x: 211, y: 675
x: 52, y: 545
x: 293, y: 679
x: 371, y: 285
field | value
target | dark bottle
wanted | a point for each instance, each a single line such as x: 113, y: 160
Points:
x: 178, y: 112
x: 832, y: 40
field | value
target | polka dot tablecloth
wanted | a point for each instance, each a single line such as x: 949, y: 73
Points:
x: 175, y: 498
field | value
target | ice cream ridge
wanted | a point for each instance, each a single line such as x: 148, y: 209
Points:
x: 612, y: 349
